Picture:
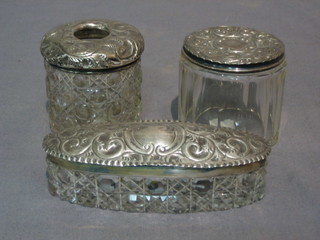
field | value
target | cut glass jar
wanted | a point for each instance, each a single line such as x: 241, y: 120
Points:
x: 233, y: 77
x: 93, y: 73
x: 156, y: 166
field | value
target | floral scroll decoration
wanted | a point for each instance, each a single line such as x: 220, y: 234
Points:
x: 157, y: 143
x: 122, y: 45
x: 233, y: 45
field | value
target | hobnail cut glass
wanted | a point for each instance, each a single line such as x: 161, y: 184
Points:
x: 80, y: 98
x: 158, y: 195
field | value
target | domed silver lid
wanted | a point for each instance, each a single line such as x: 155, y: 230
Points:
x: 233, y: 49
x: 92, y: 45
x: 157, y: 144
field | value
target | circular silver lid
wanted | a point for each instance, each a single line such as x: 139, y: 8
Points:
x: 233, y: 49
x: 92, y: 45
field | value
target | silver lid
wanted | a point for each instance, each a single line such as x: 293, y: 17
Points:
x: 92, y: 44
x: 156, y: 143
x: 233, y: 49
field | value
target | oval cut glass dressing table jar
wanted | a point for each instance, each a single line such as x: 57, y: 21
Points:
x: 93, y: 73
x: 156, y: 166
x: 233, y: 77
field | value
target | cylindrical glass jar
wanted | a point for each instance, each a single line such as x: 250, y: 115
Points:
x: 93, y: 73
x: 233, y: 77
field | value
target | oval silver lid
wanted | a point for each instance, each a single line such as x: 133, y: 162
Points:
x: 156, y: 143
x: 92, y: 44
x: 233, y: 49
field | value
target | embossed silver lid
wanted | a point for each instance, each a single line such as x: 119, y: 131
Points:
x: 92, y: 45
x: 156, y: 143
x: 233, y: 49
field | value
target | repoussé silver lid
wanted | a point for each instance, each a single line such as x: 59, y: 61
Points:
x: 156, y: 143
x: 92, y: 45
x: 233, y: 49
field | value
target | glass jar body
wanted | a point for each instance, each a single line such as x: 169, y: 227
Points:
x: 78, y: 98
x: 246, y: 101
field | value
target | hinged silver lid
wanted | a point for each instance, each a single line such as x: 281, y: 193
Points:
x: 156, y: 143
x: 233, y: 49
x: 92, y: 45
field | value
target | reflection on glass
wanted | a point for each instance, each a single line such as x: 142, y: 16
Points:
x: 246, y: 101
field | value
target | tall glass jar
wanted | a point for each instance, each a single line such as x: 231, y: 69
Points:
x: 233, y: 77
x: 93, y: 73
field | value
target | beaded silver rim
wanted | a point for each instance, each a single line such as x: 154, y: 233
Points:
x: 156, y: 143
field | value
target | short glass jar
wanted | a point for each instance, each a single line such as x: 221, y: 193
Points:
x: 233, y: 77
x: 93, y: 73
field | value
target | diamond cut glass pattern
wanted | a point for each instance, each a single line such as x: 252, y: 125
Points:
x: 77, y: 98
x: 159, y: 195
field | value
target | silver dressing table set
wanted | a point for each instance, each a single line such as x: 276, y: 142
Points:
x: 99, y: 152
